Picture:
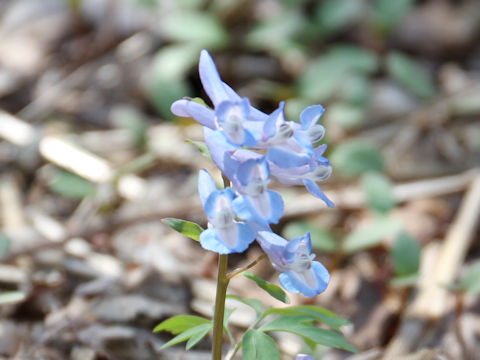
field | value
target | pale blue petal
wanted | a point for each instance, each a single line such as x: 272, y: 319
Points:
x: 276, y: 205
x: 304, y: 357
x: 322, y: 275
x: 273, y: 246
x: 190, y: 108
x: 210, y: 78
x: 310, y: 115
x: 292, y: 283
x: 270, y: 125
x: 217, y: 240
x: 246, y: 236
x: 315, y: 190
x: 206, y: 185
x: 210, y: 206
x: 286, y: 159
x: 210, y: 241
x: 217, y: 145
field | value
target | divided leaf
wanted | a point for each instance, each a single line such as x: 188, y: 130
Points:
x: 315, y: 312
x: 272, y: 289
x: 184, y: 227
x: 198, y: 332
x: 255, y: 304
x: 379, y: 192
x: 356, y: 157
x: 257, y: 345
x: 180, y: 323
x: 371, y: 235
x: 302, y: 326
x: 406, y: 255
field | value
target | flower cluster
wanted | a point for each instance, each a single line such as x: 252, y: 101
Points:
x: 250, y: 148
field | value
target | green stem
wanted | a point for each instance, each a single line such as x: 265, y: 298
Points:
x: 222, y: 283
x: 245, y: 268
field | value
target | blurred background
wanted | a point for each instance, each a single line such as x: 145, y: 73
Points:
x: 91, y: 159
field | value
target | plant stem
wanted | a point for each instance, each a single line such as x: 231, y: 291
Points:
x: 249, y: 266
x: 222, y: 283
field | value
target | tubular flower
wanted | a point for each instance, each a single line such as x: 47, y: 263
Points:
x: 224, y: 235
x: 303, y: 357
x: 294, y: 259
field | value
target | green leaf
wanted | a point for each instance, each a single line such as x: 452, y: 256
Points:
x: 334, y: 15
x: 11, y: 297
x: 174, y: 61
x: 316, y: 312
x: 255, y: 304
x: 259, y: 346
x: 301, y: 325
x: 404, y: 281
x: 327, y: 75
x: 187, y: 334
x: 201, y: 146
x: 4, y: 245
x: 70, y: 185
x: 406, y: 255
x: 371, y: 235
x: 180, y: 323
x: 197, y: 337
x: 470, y: 281
x: 387, y: 13
x: 187, y: 228
x: 130, y: 119
x: 379, y: 192
x: 346, y: 115
x: 322, y: 239
x: 272, y: 289
x: 407, y: 73
x: 226, y: 317
x: 355, y: 157
x: 163, y: 92
x: 200, y: 28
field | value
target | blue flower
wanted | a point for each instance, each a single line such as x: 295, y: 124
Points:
x: 255, y: 203
x: 303, y: 357
x: 294, y: 259
x: 224, y: 235
x: 232, y: 115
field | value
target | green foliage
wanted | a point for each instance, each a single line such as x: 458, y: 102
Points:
x: 270, y: 288
x: 202, y: 147
x: 70, y: 185
x: 187, y: 228
x: 188, y: 328
x: 355, y: 157
x: 387, y: 13
x: 180, y: 323
x: 325, y: 75
x: 201, y: 28
x: 259, y: 346
x: 255, y: 304
x: 277, y: 33
x: 322, y: 239
x: 196, y: 332
x: 4, y: 245
x: 163, y: 92
x: 333, y: 15
x: 379, y: 192
x: 406, y: 255
x: 346, y: 115
x: 132, y: 120
x: 470, y: 281
x: 318, y: 313
x: 302, y: 326
x: 408, y: 74
x: 11, y: 297
x: 371, y: 235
